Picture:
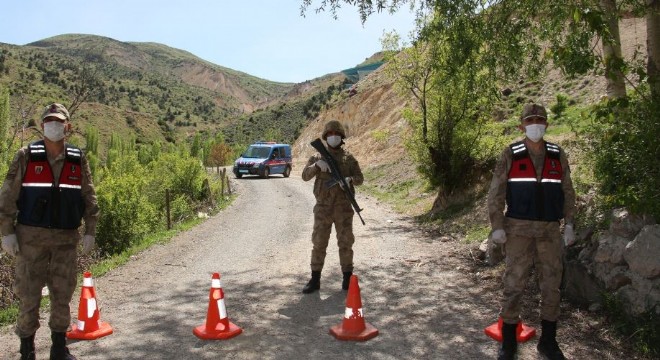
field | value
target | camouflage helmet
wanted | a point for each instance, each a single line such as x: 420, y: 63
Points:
x: 533, y: 110
x: 333, y: 125
x: 56, y: 110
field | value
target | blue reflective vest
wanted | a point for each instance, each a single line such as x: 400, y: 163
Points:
x: 528, y: 198
x: 41, y: 202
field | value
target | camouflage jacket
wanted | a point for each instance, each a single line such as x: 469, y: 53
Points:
x: 348, y: 166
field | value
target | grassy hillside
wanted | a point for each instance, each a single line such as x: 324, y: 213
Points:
x: 149, y: 91
x: 284, y: 121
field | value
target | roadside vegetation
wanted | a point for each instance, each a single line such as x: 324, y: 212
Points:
x: 131, y: 182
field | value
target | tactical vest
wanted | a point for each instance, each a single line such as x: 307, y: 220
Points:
x: 531, y: 199
x: 42, y: 203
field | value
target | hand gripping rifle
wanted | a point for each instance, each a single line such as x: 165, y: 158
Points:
x: 338, y: 178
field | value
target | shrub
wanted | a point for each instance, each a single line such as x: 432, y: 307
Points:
x: 626, y: 153
x: 381, y: 136
x: 127, y: 215
x: 560, y: 106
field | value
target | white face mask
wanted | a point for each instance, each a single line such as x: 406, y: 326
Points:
x: 334, y: 140
x: 535, y: 132
x: 54, y: 130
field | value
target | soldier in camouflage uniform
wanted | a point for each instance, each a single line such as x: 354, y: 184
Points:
x: 533, y: 179
x: 332, y: 205
x: 47, y: 191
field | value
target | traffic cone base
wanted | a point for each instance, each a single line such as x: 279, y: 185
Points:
x: 204, y: 334
x: 89, y: 325
x: 340, y: 333
x: 523, y: 332
x: 104, y: 330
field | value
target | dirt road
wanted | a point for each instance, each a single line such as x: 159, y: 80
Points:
x: 414, y: 291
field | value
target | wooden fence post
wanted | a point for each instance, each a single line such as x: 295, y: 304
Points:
x: 222, y: 182
x: 167, y: 207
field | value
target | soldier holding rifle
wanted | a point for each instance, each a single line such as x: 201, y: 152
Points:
x: 334, y: 204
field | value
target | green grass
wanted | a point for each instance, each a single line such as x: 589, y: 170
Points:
x: 8, y: 315
x: 404, y: 196
x: 477, y: 233
x: 381, y: 136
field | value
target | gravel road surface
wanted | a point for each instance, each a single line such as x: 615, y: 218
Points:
x: 420, y: 299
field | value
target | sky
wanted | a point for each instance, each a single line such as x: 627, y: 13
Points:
x: 265, y: 38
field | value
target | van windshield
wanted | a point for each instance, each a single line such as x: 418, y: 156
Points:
x: 257, y: 152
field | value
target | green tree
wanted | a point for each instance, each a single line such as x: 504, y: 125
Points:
x: 413, y: 69
x: 196, y: 146
x: 92, y: 140
x: 517, y: 32
x: 453, y: 91
x: 219, y: 154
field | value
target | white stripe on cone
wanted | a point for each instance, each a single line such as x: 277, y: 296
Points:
x: 91, y: 307
x: 348, y: 314
x: 81, y: 325
x: 222, y: 309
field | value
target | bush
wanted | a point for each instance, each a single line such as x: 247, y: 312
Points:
x: 180, y: 208
x: 127, y: 215
x: 560, y: 106
x: 182, y: 175
x: 626, y: 153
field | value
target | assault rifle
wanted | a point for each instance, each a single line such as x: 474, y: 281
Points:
x: 338, y: 178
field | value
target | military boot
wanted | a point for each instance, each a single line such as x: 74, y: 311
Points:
x: 27, y: 348
x: 347, y: 280
x: 313, y: 284
x: 509, y: 342
x: 59, y: 351
x: 548, y: 346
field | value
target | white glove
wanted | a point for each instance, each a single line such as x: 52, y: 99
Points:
x: 498, y: 236
x: 88, y: 244
x: 348, y: 180
x: 10, y: 244
x: 322, y: 165
x: 569, y: 235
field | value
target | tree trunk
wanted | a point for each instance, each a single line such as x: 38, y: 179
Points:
x: 440, y: 203
x: 616, y: 86
x: 653, y: 46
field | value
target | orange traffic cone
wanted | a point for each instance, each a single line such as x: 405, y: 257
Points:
x: 88, y: 327
x: 523, y: 332
x: 217, y: 324
x: 353, y: 327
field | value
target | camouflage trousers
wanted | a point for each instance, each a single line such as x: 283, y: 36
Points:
x: 42, y: 262
x: 523, y: 252
x: 324, y: 216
